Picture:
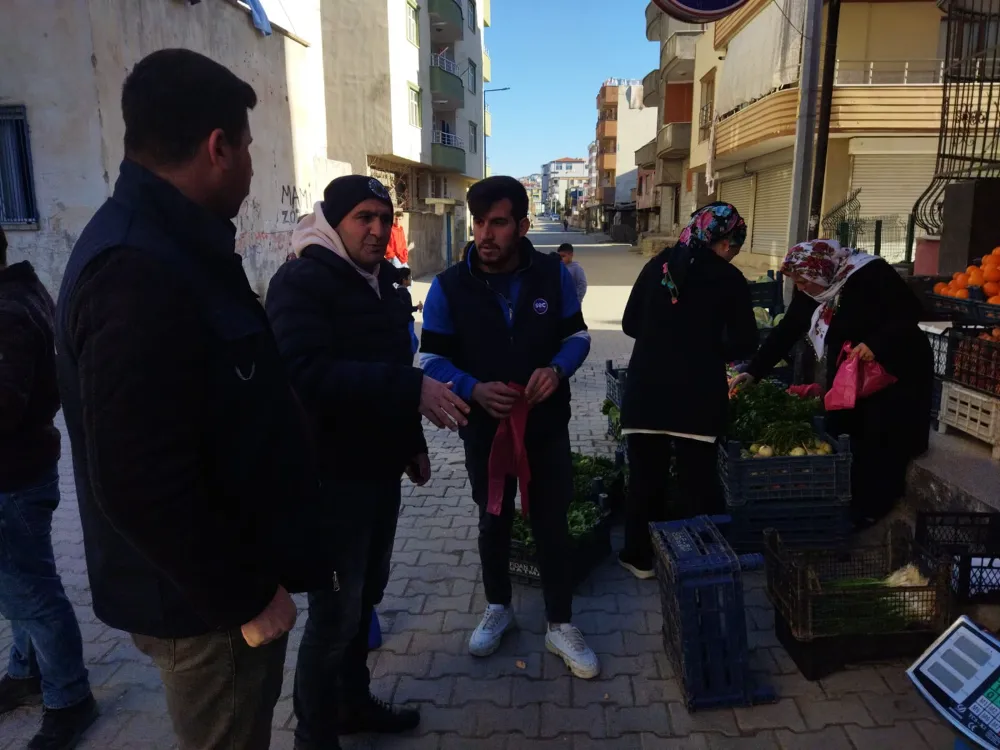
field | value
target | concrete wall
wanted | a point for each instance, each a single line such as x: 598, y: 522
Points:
x: 407, y: 65
x: 425, y: 236
x: 635, y: 128
x: 705, y: 58
x: 916, y: 31
x: 47, y: 62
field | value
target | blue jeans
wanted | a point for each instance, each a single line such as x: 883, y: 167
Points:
x: 47, y: 641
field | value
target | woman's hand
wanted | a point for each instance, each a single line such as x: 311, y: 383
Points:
x: 863, y: 352
x: 744, y: 378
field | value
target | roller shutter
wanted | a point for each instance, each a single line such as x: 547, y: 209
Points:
x: 772, y: 204
x: 740, y: 194
x: 891, y: 183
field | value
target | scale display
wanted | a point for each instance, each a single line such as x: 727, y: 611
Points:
x: 959, y: 675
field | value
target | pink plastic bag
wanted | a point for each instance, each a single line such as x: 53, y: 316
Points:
x: 855, y: 379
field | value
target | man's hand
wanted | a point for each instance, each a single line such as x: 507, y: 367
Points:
x: 419, y: 469
x: 862, y: 352
x: 420, y: 306
x: 277, y: 619
x: 740, y: 380
x: 441, y: 406
x: 541, y: 385
x: 496, y: 398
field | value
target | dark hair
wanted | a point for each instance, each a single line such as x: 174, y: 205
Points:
x: 402, y: 274
x: 174, y: 98
x: 485, y: 193
x: 565, y: 248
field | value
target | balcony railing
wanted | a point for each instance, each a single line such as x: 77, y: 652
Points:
x: 888, y: 72
x: 446, y: 64
x: 448, y: 139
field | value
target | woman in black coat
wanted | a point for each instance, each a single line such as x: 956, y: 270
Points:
x: 690, y: 313
x: 847, y: 296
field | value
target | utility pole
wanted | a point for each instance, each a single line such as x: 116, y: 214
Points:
x: 825, y: 104
x: 805, y: 126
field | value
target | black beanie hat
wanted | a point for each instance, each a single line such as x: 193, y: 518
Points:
x: 344, y: 193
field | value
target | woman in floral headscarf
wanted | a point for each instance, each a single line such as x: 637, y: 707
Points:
x: 689, y: 313
x: 844, y: 295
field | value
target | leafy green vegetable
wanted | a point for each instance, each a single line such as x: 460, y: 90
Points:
x: 756, y: 407
x: 785, y: 435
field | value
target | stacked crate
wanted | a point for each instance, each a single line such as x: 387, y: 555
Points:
x: 970, y: 396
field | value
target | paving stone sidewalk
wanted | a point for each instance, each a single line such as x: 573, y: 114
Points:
x: 522, y: 697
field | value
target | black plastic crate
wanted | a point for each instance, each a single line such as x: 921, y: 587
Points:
x: 615, y: 380
x: 974, y: 362
x: 587, y: 552
x: 748, y: 481
x: 700, y: 579
x: 972, y: 542
x: 838, y: 609
x: 939, y: 345
x: 768, y: 294
x: 803, y: 524
x: 988, y: 314
x: 953, y: 308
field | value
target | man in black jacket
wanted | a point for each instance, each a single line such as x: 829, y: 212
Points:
x: 46, y: 657
x: 342, y: 330
x: 197, y: 491
x: 505, y: 327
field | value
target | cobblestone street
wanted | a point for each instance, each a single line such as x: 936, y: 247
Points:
x: 522, y: 697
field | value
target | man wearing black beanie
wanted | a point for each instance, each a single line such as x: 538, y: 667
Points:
x: 343, y: 333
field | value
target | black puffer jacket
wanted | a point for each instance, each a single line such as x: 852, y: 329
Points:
x: 677, y: 375
x: 29, y: 395
x: 349, y: 356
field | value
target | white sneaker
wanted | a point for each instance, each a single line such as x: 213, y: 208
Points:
x: 497, y: 620
x: 566, y: 642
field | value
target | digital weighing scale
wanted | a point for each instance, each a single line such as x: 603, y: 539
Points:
x: 959, y: 675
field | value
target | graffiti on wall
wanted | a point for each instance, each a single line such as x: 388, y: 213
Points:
x: 295, y: 201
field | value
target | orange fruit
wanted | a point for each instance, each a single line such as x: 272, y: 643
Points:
x: 940, y: 287
x: 971, y: 269
x: 991, y: 288
x: 991, y: 273
x: 996, y: 251
x: 991, y: 260
x: 948, y: 291
x: 962, y: 294
x: 962, y: 280
x: 994, y: 300
x: 976, y: 278
x: 955, y: 275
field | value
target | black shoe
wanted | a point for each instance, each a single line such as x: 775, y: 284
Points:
x: 17, y: 693
x: 374, y: 715
x: 639, y: 568
x: 62, y: 728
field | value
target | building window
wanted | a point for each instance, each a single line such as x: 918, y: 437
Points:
x: 17, y: 185
x: 473, y: 137
x: 473, y: 76
x: 416, y: 108
x: 413, y: 24
x: 472, y: 15
x: 706, y: 113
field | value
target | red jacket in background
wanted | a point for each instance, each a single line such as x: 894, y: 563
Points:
x: 397, y: 245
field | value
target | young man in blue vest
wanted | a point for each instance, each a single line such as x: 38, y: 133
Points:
x: 504, y: 325
x: 195, y: 473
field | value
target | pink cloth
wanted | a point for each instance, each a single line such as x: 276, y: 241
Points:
x: 508, y: 456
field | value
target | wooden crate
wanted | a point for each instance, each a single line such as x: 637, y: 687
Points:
x: 971, y: 412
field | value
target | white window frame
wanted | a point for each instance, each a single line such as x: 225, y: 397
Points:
x: 473, y: 20
x: 415, y: 103
x: 413, y: 24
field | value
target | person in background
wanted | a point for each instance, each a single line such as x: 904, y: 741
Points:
x: 505, y: 327
x: 45, y: 665
x: 194, y: 469
x: 690, y: 313
x: 405, y: 279
x: 342, y: 331
x: 565, y: 225
x: 843, y: 296
x: 575, y: 270
x: 398, y: 253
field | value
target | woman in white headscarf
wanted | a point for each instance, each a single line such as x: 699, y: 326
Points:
x: 845, y: 295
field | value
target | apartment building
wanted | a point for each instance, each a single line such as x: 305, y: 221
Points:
x: 560, y: 176
x: 883, y: 130
x: 384, y: 87
x: 533, y: 185
x: 591, y: 190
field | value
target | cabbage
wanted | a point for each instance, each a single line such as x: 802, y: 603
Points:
x: 778, y: 318
x: 763, y: 317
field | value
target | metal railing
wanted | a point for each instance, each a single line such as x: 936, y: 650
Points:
x: 446, y: 64
x: 705, y: 114
x: 888, y: 72
x: 448, y: 139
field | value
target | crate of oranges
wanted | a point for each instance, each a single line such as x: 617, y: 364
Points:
x: 974, y: 358
x: 973, y: 293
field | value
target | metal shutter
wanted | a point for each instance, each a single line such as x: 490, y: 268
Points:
x: 891, y: 183
x: 740, y: 194
x: 772, y: 205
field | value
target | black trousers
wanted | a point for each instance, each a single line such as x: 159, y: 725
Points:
x: 652, y: 496
x: 220, y: 691
x: 550, y: 492
x: 332, y: 668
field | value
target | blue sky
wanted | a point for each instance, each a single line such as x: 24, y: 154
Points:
x: 554, y: 55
